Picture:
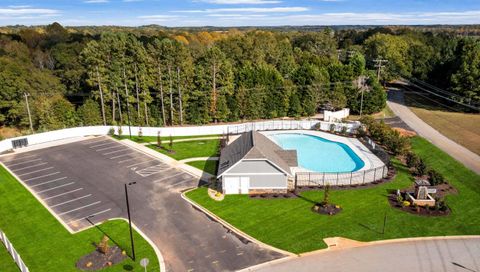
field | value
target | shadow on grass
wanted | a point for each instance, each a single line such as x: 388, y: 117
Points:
x: 109, y: 237
x: 305, y: 198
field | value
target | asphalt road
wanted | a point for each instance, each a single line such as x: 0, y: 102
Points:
x: 460, y: 153
x: 86, y: 179
x: 459, y: 255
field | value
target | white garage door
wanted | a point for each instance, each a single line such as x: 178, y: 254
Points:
x: 236, y: 185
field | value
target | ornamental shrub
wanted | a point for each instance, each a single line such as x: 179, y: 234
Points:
x: 421, y: 167
x: 411, y: 159
x: 435, y: 178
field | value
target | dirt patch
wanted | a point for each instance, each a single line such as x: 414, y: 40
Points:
x: 97, y: 260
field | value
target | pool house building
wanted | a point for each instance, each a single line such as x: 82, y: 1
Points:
x: 254, y: 164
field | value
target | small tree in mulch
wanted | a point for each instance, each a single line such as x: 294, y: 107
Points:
x: 326, y: 195
x: 159, y: 140
x: 103, y: 245
x: 325, y: 207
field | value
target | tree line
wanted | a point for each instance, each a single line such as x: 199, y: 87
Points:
x: 114, y: 76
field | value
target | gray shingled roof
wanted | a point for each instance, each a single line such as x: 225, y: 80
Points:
x: 254, y: 145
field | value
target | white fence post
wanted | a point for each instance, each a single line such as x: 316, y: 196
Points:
x: 16, y: 257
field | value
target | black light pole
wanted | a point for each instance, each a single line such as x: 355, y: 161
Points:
x: 129, y: 219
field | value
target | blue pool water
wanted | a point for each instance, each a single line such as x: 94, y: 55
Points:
x: 318, y: 154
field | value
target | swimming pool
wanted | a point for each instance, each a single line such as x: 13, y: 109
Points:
x: 318, y: 154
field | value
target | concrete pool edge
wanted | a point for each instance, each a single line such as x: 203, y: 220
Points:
x: 371, y: 161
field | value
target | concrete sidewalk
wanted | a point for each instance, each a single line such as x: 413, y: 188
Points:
x: 460, y: 153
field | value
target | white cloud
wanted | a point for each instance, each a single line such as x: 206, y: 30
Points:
x: 253, y: 10
x: 13, y: 12
x: 95, y: 1
x: 19, y: 6
x: 131, y: 1
x: 240, y: 2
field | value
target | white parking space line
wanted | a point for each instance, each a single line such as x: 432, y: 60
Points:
x: 47, y: 175
x: 31, y: 166
x: 134, y: 158
x: 79, y: 208
x: 116, y: 151
x: 93, y: 214
x: 46, y: 182
x: 109, y: 143
x: 23, y: 157
x: 135, y: 164
x: 177, y: 183
x: 71, y: 200
x: 36, y: 171
x: 59, y: 186
x: 95, y: 142
x: 115, y: 145
x: 10, y: 165
x: 164, y: 178
x: 72, y: 191
x: 123, y: 155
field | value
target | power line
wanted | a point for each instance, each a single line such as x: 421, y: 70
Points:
x: 379, y: 64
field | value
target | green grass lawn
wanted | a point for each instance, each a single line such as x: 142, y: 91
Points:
x: 6, y: 261
x: 165, y: 140
x: 206, y: 166
x: 191, y: 149
x: 289, y: 224
x: 45, y: 245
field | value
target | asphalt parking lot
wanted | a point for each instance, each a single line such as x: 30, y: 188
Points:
x: 85, y: 179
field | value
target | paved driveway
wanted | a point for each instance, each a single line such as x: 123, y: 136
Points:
x: 460, y: 153
x: 86, y: 179
x: 459, y: 255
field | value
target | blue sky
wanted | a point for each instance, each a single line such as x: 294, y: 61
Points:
x: 238, y: 12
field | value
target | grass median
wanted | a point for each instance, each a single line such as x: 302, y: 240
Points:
x: 206, y: 166
x: 45, y: 245
x: 165, y: 139
x: 190, y: 149
x: 289, y: 224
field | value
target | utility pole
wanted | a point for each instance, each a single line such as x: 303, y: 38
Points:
x: 179, y: 96
x: 362, y: 88
x: 379, y: 64
x: 28, y: 111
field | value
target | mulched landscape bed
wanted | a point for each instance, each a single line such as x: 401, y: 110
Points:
x: 274, y: 196
x: 97, y: 260
x: 442, y: 191
x: 329, y: 209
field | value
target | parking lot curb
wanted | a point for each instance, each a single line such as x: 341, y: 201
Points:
x: 232, y: 228
x: 161, y: 260
x: 166, y: 159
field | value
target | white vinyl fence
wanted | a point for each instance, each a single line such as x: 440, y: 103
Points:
x: 16, y: 257
x: 315, y: 179
x: 176, y: 131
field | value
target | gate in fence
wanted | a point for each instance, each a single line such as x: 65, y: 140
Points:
x: 312, y: 179
x: 16, y: 257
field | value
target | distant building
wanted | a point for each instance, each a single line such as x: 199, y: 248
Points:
x: 253, y: 164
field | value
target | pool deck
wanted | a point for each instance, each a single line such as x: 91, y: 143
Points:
x: 371, y: 161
